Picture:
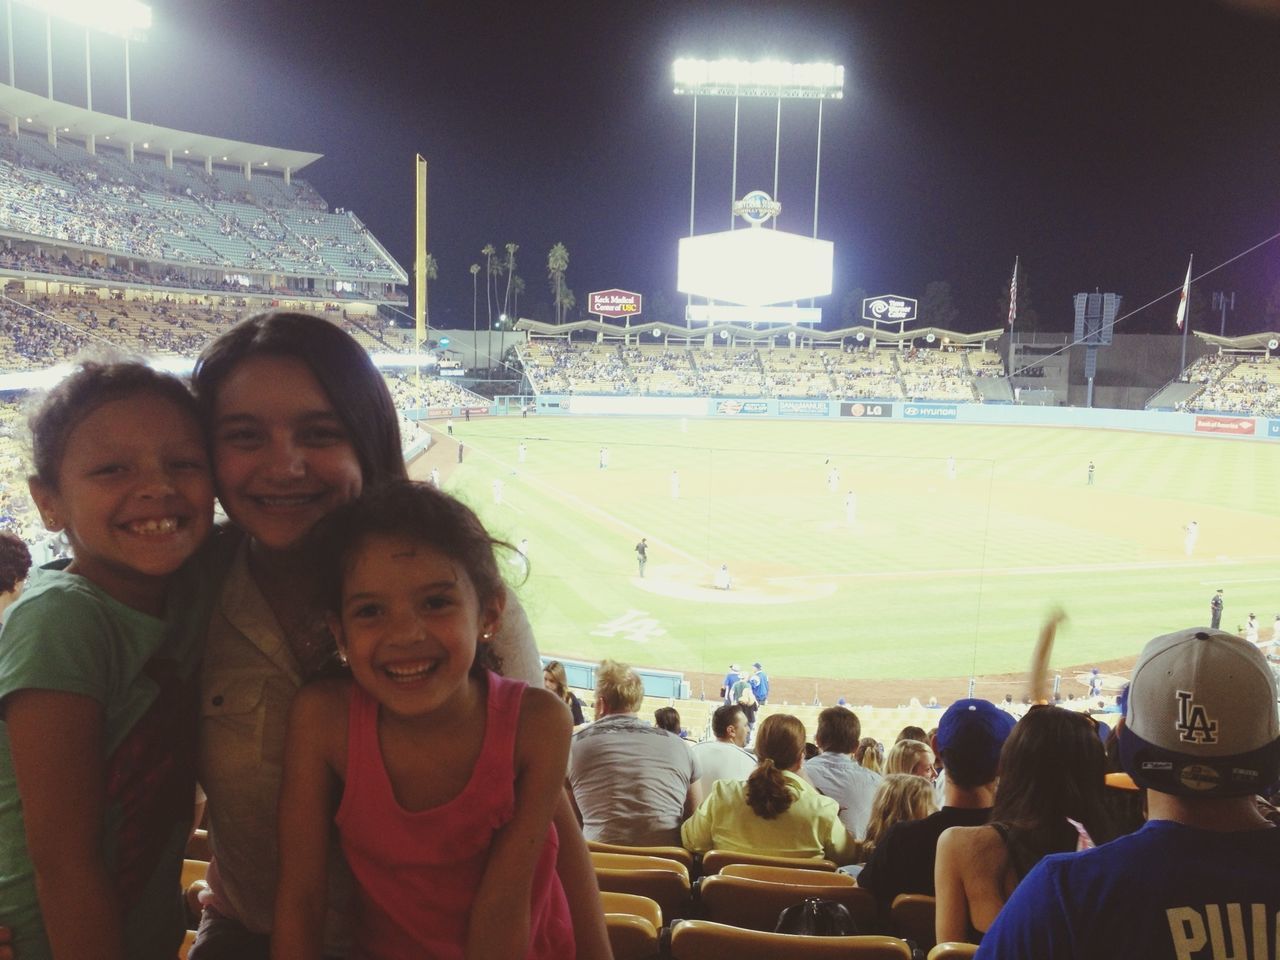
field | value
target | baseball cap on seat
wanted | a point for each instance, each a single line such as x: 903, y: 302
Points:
x: 1200, y: 717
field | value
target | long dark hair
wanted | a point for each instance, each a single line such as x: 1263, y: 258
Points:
x: 1053, y: 766
x: 341, y: 366
x: 779, y: 745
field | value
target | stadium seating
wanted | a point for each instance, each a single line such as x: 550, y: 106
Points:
x: 182, y: 216
x: 563, y: 366
x: 755, y: 904
x: 705, y: 940
x: 1246, y: 386
x: 713, y: 861
x: 912, y: 918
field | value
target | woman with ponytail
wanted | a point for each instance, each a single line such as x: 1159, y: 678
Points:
x: 774, y: 812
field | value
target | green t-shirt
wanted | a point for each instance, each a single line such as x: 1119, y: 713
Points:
x: 65, y: 634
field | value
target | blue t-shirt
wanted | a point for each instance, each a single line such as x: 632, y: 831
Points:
x: 64, y: 634
x: 760, y: 686
x: 1167, y: 890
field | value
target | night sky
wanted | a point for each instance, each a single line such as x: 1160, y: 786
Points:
x: 1102, y: 141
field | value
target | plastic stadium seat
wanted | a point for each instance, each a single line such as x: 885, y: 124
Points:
x: 198, y: 846
x: 755, y: 904
x: 912, y: 918
x: 633, y: 905
x: 953, y: 951
x: 678, y: 854
x: 187, y: 941
x: 793, y: 875
x: 704, y: 940
x: 713, y: 861
x: 632, y: 937
x: 661, y: 880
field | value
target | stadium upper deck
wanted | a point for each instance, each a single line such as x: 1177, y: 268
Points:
x: 75, y: 204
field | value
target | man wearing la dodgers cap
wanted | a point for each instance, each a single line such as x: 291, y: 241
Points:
x: 1202, y: 877
x: 969, y: 738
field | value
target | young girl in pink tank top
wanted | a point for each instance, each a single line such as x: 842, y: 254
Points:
x: 441, y: 776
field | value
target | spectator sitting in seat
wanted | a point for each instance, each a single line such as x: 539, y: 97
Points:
x: 835, y: 773
x: 725, y: 757
x: 15, y: 562
x: 969, y: 739
x: 555, y: 680
x: 911, y: 756
x: 775, y: 812
x: 870, y: 754
x: 901, y: 797
x: 1049, y: 800
x: 631, y: 782
x: 1202, y: 878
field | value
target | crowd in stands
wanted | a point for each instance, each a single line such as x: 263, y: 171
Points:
x: 180, y: 217
x: 1249, y: 386
x: 563, y: 366
x: 986, y: 809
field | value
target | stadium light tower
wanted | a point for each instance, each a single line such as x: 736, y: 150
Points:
x: 769, y: 79
x: 127, y: 19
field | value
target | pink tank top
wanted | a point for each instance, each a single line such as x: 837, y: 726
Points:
x: 417, y: 872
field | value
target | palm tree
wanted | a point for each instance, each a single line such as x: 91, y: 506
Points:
x: 557, y: 264
x: 475, y: 269
x: 488, y: 252
x: 510, y: 268
x: 567, y: 301
x: 517, y: 288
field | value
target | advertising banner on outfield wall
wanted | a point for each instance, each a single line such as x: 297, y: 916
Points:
x: 1273, y: 428
x: 929, y: 411
x: 866, y: 409
x: 733, y: 408
x: 1239, y: 426
x: 808, y: 408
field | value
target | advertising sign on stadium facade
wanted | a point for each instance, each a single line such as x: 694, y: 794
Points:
x: 735, y: 407
x: 929, y: 411
x: 614, y: 303
x: 810, y: 408
x: 889, y: 307
x: 1273, y: 428
x: 866, y: 409
x: 1238, y: 426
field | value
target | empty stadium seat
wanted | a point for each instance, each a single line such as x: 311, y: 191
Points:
x: 678, y: 854
x: 664, y: 881
x: 715, y: 860
x: 705, y: 940
x: 912, y: 918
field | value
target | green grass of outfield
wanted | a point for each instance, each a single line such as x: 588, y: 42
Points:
x: 935, y: 577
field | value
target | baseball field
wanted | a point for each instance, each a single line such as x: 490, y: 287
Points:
x: 920, y: 573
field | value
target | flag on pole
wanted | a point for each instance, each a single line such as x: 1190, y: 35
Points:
x: 1186, y: 295
x: 1013, y: 293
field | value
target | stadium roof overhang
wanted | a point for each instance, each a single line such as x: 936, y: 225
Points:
x: 1250, y: 341
x: 660, y: 329
x: 40, y: 115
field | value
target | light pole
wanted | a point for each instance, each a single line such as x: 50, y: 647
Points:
x: 1222, y: 302
x: 126, y: 19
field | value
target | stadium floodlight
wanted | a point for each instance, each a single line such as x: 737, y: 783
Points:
x: 123, y: 18
x: 775, y: 79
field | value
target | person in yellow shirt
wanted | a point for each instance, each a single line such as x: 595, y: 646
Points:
x: 774, y: 812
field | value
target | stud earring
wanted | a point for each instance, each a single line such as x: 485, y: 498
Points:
x: 487, y: 635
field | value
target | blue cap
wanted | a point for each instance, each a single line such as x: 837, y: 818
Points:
x: 978, y: 728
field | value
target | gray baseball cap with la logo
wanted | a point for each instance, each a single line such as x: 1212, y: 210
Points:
x: 1200, y: 717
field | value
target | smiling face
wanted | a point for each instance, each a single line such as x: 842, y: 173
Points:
x: 133, y: 494
x: 282, y: 456
x: 409, y: 624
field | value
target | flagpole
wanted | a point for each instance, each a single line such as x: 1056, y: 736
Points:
x: 1186, y: 320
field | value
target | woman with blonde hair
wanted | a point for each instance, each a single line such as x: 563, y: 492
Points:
x: 774, y: 812
x: 911, y: 756
x: 900, y: 797
x: 554, y: 679
x: 870, y: 755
